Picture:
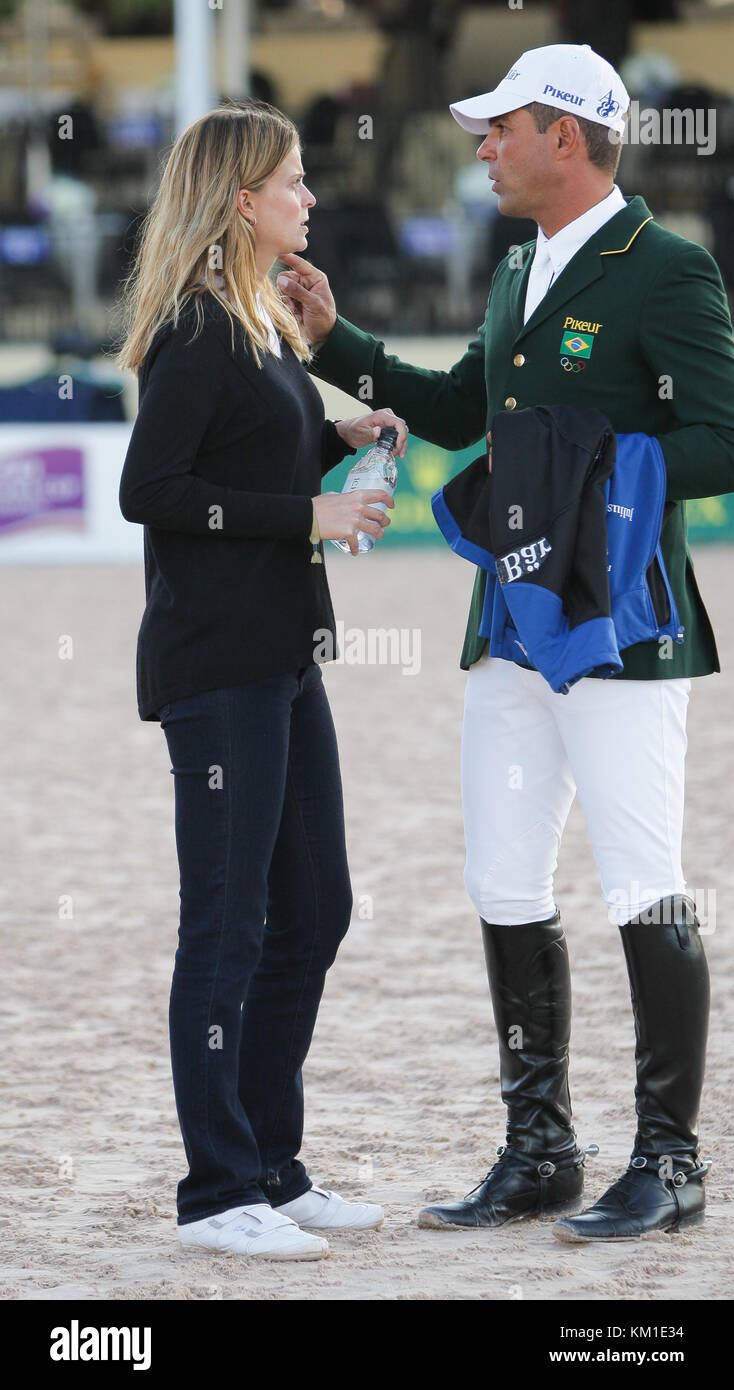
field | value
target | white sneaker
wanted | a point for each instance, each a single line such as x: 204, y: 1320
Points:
x: 323, y: 1210
x: 254, y: 1230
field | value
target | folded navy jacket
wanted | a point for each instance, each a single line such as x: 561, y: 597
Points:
x: 567, y: 526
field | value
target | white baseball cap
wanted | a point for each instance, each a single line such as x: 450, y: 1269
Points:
x: 567, y: 75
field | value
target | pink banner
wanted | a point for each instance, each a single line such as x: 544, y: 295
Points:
x: 41, y: 487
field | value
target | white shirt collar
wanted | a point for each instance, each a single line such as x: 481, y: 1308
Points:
x: 565, y: 243
x: 273, y: 338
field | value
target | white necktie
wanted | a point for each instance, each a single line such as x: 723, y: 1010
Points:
x: 539, y: 279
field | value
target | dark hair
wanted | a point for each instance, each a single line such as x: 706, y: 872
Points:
x: 603, y: 145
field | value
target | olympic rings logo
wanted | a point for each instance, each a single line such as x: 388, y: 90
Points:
x: 570, y: 365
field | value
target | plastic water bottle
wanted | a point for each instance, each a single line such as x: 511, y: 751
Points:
x: 375, y: 471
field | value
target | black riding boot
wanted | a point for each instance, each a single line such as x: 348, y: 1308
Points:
x: 662, y: 1188
x: 540, y: 1168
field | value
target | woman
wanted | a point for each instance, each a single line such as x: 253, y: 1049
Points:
x: 224, y: 470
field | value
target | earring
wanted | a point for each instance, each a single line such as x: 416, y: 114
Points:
x: 252, y: 221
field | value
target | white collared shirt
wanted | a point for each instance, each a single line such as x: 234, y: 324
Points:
x: 273, y: 338
x: 563, y: 245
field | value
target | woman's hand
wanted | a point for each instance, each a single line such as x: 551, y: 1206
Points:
x: 365, y: 429
x: 342, y: 514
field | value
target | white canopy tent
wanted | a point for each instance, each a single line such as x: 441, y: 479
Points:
x: 196, y: 26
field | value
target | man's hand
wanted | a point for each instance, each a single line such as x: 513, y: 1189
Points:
x: 306, y: 291
x: 365, y: 429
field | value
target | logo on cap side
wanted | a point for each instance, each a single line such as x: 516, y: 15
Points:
x: 608, y: 106
x: 563, y: 96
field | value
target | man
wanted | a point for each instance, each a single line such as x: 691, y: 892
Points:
x: 605, y: 309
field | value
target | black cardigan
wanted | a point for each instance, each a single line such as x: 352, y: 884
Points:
x: 222, y: 463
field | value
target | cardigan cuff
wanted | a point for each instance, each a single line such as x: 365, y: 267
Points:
x: 296, y: 517
x: 333, y: 448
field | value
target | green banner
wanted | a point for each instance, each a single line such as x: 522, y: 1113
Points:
x: 426, y: 468
x: 710, y: 518
x: 422, y: 472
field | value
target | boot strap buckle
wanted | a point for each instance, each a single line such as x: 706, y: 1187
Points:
x: 700, y: 1171
x: 546, y: 1169
x: 679, y: 1179
x: 638, y: 1162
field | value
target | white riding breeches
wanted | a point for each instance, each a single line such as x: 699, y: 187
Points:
x: 526, y: 751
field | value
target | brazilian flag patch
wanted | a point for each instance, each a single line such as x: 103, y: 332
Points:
x: 577, y: 344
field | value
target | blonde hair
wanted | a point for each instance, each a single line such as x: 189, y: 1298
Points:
x: 193, y: 231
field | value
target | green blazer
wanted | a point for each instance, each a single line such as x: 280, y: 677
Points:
x: 638, y: 325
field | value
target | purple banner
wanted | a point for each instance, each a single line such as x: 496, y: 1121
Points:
x: 41, y: 487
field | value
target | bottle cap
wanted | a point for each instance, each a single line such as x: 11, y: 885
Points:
x: 388, y: 435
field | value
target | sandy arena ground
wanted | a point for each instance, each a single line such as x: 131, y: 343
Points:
x: 401, y: 1083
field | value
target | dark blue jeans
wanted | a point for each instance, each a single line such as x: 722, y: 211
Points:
x: 265, y: 901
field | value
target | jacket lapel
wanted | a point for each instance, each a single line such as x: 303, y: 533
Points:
x: 587, y: 265
x: 518, y: 289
